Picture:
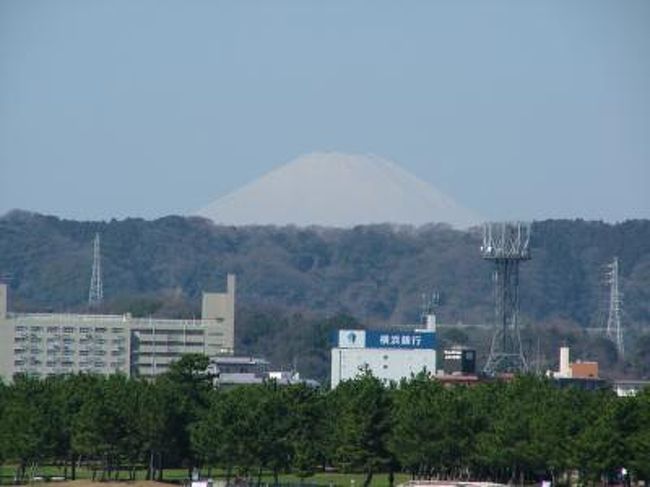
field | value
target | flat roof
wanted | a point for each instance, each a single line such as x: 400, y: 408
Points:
x: 238, y: 360
x: 127, y: 319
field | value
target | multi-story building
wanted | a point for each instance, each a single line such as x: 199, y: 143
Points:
x: 42, y: 344
x: 389, y: 355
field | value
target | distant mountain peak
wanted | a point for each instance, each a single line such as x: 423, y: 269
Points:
x: 338, y: 190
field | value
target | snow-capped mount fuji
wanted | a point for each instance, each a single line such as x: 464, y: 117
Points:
x: 338, y: 190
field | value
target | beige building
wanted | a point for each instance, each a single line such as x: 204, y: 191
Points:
x: 42, y: 344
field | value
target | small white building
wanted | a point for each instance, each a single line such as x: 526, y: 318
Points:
x: 629, y: 387
x: 389, y: 355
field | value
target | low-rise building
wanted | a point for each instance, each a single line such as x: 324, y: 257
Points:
x: 629, y: 387
x: 459, y: 360
x: 574, y: 370
x: 234, y: 371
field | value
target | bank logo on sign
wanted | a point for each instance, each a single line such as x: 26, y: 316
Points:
x: 352, y: 339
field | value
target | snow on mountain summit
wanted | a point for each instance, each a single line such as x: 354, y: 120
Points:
x: 338, y: 190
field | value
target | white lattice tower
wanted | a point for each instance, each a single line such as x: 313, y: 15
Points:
x: 96, y: 291
x: 614, y: 328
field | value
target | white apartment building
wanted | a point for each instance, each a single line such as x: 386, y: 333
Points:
x: 43, y: 344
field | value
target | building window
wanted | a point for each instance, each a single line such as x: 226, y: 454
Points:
x: 68, y: 329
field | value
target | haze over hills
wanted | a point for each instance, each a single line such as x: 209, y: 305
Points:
x: 338, y: 190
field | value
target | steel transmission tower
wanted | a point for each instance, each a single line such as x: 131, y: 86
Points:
x: 96, y: 291
x: 506, y: 244
x: 614, y: 329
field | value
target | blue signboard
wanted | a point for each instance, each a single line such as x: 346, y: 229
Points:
x: 414, y: 340
x: 400, y: 339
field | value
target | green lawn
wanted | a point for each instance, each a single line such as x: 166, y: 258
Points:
x: 342, y: 479
x: 171, y: 475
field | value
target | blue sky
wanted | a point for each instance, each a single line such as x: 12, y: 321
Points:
x: 517, y: 109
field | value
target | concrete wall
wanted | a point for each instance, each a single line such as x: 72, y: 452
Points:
x: 6, y: 337
x: 3, y: 301
x: 584, y: 370
x: 220, y: 308
x: 386, y: 364
x: 45, y: 344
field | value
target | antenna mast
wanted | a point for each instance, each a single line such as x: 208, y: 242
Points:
x: 96, y: 291
x: 506, y: 244
x: 429, y: 302
x: 614, y: 329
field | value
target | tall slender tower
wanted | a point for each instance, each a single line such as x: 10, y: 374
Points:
x: 506, y: 244
x: 614, y: 329
x: 96, y: 291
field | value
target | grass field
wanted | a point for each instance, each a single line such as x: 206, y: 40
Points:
x: 178, y: 475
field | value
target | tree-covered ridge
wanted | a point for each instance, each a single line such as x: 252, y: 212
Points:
x: 297, y: 284
x: 373, y: 272
x: 523, y: 430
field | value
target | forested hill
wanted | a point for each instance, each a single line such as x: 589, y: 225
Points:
x: 374, y: 273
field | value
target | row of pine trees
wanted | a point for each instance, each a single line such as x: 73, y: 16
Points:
x: 524, y: 430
